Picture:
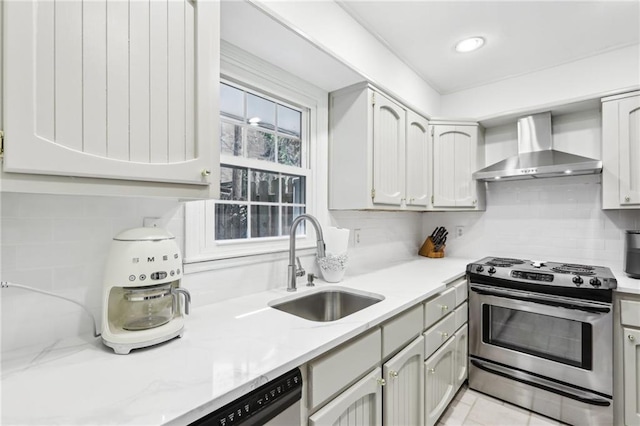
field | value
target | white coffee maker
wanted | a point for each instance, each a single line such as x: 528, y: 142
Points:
x: 141, y: 294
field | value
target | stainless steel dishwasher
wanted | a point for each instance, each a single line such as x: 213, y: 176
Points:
x: 276, y: 403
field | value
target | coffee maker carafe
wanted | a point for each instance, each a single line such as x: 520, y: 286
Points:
x: 143, y: 302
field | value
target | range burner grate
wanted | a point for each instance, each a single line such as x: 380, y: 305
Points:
x: 569, y: 268
x: 504, y: 262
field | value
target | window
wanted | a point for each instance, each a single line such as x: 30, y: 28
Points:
x: 263, y: 173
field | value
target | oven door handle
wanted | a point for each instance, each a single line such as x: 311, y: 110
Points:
x: 541, y: 301
x: 544, y: 384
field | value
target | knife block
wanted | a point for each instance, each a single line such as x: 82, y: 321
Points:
x: 428, y: 249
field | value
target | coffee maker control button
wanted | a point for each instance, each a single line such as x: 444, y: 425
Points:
x: 143, y: 277
x: 172, y: 273
x: 178, y: 271
x: 132, y: 277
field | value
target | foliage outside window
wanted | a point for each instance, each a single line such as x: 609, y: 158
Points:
x: 263, y: 174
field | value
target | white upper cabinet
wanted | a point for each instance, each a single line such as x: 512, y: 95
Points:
x: 621, y: 151
x: 389, y: 135
x: 378, y: 154
x: 418, y: 161
x: 111, y: 89
x: 458, y: 151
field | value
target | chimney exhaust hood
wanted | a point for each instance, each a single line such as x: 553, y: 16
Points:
x: 536, y: 157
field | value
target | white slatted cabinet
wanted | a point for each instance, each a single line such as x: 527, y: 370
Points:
x: 112, y: 90
x: 439, y: 381
x: 457, y: 153
x: 403, y: 393
x: 359, y: 405
x: 418, y: 154
x: 631, y: 366
x: 462, y: 356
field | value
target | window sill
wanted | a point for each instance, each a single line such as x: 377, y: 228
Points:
x: 195, y: 264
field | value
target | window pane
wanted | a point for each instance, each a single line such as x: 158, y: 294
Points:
x: 233, y: 183
x: 288, y: 215
x: 261, y: 145
x: 264, y: 221
x: 264, y: 187
x: 231, y: 221
x: 231, y: 102
x: 293, y: 189
x: 261, y: 112
x: 289, y: 121
x: 230, y: 139
x: 289, y: 151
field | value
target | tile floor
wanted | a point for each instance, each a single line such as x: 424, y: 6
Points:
x: 471, y: 408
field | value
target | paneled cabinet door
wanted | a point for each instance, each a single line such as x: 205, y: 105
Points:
x: 461, y: 359
x: 403, y: 394
x: 110, y: 89
x: 454, y: 160
x: 629, y: 143
x: 418, y: 160
x: 389, y: 133
x: 631, y: 356
x: 359, y: 405
x: 439, y: 381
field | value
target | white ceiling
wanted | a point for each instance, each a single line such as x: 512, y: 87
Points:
x: 522, y: 36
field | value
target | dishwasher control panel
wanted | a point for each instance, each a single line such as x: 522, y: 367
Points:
x: 264, y: 403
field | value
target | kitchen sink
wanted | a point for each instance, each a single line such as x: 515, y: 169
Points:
x: 328, y: 304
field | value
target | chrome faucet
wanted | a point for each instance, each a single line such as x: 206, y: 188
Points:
x: 293, y: 271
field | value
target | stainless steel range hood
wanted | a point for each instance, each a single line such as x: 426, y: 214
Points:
x: 536, y: 157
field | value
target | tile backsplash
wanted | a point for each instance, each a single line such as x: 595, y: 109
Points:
x: 59, y: 243
x: 554, y: 219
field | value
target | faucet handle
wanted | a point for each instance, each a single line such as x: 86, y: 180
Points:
x: 300, y: 272
x: 310, y: 278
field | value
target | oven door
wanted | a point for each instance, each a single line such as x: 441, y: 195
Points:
x: 560, y: 338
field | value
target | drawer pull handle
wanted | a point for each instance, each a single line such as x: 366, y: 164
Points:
x: 631, y: 338
x: 627, y: 198
x: 393, y: 373
x: 205, y: 173
x: 432, y: 371
x: 445, y: 335
x: 444, y: 307
x: 381, y: 381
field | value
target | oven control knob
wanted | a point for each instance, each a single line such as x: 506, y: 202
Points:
x: 479, y: 268
x: 492, y: 270
x: 577, y: 280
x: 595, y: 282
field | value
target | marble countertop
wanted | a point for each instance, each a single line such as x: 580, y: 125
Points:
x: 228, y: 349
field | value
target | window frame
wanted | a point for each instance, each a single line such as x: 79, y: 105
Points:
x: 240, y: 68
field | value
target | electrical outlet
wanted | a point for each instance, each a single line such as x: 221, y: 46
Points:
x: 356, y: 237
x: 459, y: 231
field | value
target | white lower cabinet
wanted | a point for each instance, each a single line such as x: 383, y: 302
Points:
x: 631, y: 356
x: 439, y: 381
x: 462, y: 352
x: 359, y: 405
x: 403, y: 400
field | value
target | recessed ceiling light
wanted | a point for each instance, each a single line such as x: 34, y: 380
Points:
x: 568, y: 172
x: 469, y: 44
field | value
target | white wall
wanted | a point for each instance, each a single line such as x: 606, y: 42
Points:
x: 614, y: 71
x: 332, y: 29
x: 555, y: 219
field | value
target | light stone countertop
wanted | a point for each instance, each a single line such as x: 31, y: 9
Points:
x: 228, y: 349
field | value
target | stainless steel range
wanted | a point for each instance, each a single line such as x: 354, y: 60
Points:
x: 541, y: 337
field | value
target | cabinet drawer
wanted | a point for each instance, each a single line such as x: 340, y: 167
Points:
x: 462, y: 315
x: 438, y: 334
x: 439, y: 306
x: 401, y: 330
x: 630, y: 313
x: 331, y: 373
x: 460, y: 287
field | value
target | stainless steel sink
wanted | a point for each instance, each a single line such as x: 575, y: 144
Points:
x: 327, y: 304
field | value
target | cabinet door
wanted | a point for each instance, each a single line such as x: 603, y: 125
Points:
x: 418, y: 160
x: 108, y: 89
x: 439, y: 382
x: 403, y: 394
x: 631, y: 356
x: 462, y: 352
x: 389, y: 133
x: 454, y: 159
x: 359, y: 405
x: 629, y: 143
